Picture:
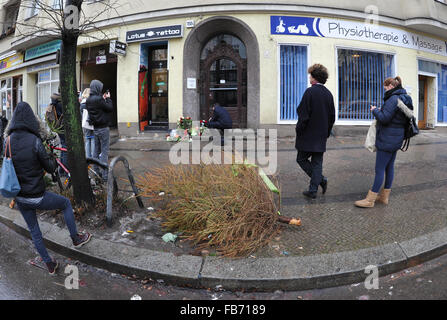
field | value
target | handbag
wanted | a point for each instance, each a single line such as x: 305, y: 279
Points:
x: 85, y: 123
x: 9, y: 184
x: 370, y: 142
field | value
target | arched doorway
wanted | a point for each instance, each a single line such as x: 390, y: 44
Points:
x: 223, y: 69
x: 198, y: 43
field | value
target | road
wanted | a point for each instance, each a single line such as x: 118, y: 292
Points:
x: 19, y: 281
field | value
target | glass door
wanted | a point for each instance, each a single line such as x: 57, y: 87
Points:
x: 158, y: 89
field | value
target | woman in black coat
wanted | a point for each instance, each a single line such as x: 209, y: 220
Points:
x: 31, y: 161
x: 391, y: 122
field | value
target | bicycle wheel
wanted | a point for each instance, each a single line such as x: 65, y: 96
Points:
x: 95, y: 168
x: 64, y: 182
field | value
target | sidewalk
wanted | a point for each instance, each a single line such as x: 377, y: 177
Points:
x: 336, y: 241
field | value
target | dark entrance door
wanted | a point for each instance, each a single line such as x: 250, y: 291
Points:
x: 224, y: 80
x: 158, y: 117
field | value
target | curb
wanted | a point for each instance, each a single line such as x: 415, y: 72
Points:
x: 258, y: 274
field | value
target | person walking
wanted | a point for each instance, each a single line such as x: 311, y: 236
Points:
x: 316, y: 117
x: 30, y: 161
x: 89, y: 135
x: 390, y: 134
x: 100, y: 108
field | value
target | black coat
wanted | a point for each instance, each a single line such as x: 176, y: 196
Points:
x: 391, y: 121
x: 29, y: 156
x: 99, y: 109
x: 222, y: 116
x: 316, y: 117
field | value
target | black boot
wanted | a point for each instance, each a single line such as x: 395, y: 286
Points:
x: 323, y: 185
x: 310, y: 194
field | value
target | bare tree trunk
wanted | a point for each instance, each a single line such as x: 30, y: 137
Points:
x: 72, y: 116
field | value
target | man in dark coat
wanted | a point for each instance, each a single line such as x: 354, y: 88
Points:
x: 220, y: 120
x: 100, y: 108
x: 316, y: 117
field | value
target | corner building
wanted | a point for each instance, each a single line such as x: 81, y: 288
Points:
x: 180, y: 56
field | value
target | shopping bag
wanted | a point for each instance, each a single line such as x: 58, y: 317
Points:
x: 370, y: 142
x: 9, y: 184
x: 85, y: 123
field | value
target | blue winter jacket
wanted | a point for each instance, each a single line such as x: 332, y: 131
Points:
x: 391, y: 121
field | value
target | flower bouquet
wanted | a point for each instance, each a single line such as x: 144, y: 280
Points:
x: 184, y: 123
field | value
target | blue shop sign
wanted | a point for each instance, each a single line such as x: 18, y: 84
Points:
x: 43, y: 50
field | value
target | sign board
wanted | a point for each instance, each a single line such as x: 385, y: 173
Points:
x: 191, y: 83
x: 11, y: 61
x: 43, y: 50
x: 190, y: 23
x: 175, y: 31
x: 117, y: 47
x: 352, y: 30
x: 101, y: 59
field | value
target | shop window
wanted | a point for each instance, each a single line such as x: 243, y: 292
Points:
x: 360, y: 82
x: 441, y: 71
x: 6, y: 97
x: 47, y: 84
x: 293, y: 80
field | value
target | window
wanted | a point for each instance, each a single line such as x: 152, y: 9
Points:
x: 58, y: 4
x: 47, y: 84
x: 441, y: 71
x: 33, y: 8
x: 6, y: 97
x: 293, y: 80
x: 360, y: 82
x: 11, y: 14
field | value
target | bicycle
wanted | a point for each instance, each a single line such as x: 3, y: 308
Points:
x: 64, y: 181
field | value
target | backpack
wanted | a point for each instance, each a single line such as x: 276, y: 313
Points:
x: 54, y: 122
x: 411, y: 127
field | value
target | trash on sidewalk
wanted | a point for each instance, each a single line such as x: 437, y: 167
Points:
x: 169, y: 237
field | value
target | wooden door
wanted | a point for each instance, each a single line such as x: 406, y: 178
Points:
x: 224, y: 80
x: 423, y: 102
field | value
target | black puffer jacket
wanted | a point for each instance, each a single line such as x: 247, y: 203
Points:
x: 99, y: 109
x: 29, y: 156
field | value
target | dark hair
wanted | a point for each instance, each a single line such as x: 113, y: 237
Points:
x: 395, y: 82
x: 319, y: 73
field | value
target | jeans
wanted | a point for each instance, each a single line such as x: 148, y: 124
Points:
x: 384, y: 166
x: 102, y: 144
x: 50, y: 201
x: 64, y: 159
x: 89, y: 139
x: 313, y: 168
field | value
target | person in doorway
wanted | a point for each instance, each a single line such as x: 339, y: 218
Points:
x: 89, y: 135
x: 220, y: 120
x: 316, y: 117
x: 391, y: 123
x: 30, y: 163
x: 100, y: 108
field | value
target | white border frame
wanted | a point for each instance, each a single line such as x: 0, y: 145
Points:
x: 431, y: 75
x: 423, y: 73
x: 278, y: 66
x: 343, y: 47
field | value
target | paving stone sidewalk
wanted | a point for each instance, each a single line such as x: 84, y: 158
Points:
x: 332, y: 223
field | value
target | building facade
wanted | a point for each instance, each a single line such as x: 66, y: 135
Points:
x: 166, y: 60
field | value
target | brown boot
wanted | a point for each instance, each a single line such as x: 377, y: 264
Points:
x: 368, y: 202
x: 383, y: 196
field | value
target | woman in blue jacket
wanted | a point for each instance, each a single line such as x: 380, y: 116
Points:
x: 391, y: 122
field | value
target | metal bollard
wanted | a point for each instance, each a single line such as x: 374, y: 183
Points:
x: 112, y: 187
